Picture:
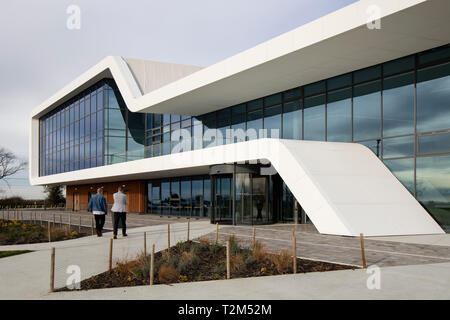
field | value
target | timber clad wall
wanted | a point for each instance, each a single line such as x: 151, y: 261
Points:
x: 135, y: 191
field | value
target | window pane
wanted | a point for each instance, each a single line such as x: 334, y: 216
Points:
x: 116, y: 119
x: 399, y: 65
x: 272, y: 121
x: 314, y: 118
x: 434, y: 55
x: 367, y: 74
x: 293, y: 94
x: 315, y: 88
x: 339, y: 116
x: 273, y: 99
x: 433, y: 187
x: 197, y: 197
x: 254, y: 124
x: 398, y: 105
x: 112, y: 101
x: 398, y: 147
x: 292, y: 120
x: 434, y: 143
x: 254, y: 105
x: 403, y: 170
x: 339, y: 82
x: 367, y: 111
x: 433, y: 98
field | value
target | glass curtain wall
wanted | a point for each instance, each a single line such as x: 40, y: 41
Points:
x: 185, y: 196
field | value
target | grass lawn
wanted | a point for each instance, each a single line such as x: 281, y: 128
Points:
x: 4, y: 254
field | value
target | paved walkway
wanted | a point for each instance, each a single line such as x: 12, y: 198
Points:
x: 133, y: 220
x: 409, y: 270
x: 26, y: 276
x: 338, y: 249
x: 431, y: 281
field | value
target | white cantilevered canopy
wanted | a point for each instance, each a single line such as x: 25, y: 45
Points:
x: 343, y: 187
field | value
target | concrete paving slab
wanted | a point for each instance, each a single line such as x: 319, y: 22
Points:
x: 431, y: 281
x: 27, y: 276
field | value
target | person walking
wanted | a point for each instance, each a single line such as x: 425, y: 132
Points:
x: 119, y: 210
x: 97, y: 205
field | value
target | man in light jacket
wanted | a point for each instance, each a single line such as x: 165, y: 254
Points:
x: 119, y: 210
x: 97, y: 205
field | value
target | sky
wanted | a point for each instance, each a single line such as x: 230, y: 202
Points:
x: 39, y: 54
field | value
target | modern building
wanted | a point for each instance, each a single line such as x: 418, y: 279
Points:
x: 343, y: 123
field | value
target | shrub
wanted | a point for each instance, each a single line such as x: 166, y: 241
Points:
x: 250, y: 261
x: 259, y: 252
x: 234, y: 247
x: 282, y: 261
x: 237, y: 263
x: 167, y: 274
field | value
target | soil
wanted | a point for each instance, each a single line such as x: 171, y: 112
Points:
x: 210, y: 265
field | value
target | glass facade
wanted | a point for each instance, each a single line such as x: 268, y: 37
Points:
x: 185, y: 196
x: 399, y: 109
x: 92, y: 129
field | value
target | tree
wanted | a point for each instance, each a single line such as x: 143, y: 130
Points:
x: 55, y: 195
x: 9, y: 164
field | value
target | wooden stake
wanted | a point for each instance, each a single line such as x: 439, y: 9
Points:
x: 54, y: 220
x: 217, y: 232
x: 152, y: 264
x: 70, y: 222
x: 40, y: 218
x: 52, y: 270
x: 228, y: 260
x: 60, y: 220
x: 49, y: 232
x: 145, y: 244
x: 92, y: 225
x: 79, y: 224
x: 253, y: 239
x: 110, y: 254
x: 363, y: 255
x: 294, y: 252
x: 168, y: 237
x: 189, y: 222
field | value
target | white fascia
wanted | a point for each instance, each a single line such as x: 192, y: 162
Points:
x: 343, y: 187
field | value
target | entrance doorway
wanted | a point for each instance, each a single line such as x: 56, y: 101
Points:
x: 76, y: 201
x: 223, y: 200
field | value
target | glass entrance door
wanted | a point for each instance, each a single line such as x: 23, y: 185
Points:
x: 243, y: 199
x: 259, y: 195
x: 223, y: 200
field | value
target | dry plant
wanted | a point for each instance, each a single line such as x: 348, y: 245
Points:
x: 237, y: 263
x: 167, y: 274
x: 204, y: 241
x: 259, y: 252
x: 282, y: 261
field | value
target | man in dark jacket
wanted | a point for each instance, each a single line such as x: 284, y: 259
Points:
x: 97, y: 205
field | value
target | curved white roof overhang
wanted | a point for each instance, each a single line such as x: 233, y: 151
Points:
x: 337, y: 43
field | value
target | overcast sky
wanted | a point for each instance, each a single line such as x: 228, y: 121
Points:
x: 39, y: 54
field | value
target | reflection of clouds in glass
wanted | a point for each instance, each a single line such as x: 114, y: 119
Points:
x: 315, y: 123
x: 433, y: 179
x: 339, y: 121
x: 398, y: 147
x: 433, y: 104
x: 398, y: 111
x: 403, y: 169
x: 366, y: 116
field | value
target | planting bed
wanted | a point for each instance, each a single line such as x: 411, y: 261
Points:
x: 193, y: 261
x: 18, y: 232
